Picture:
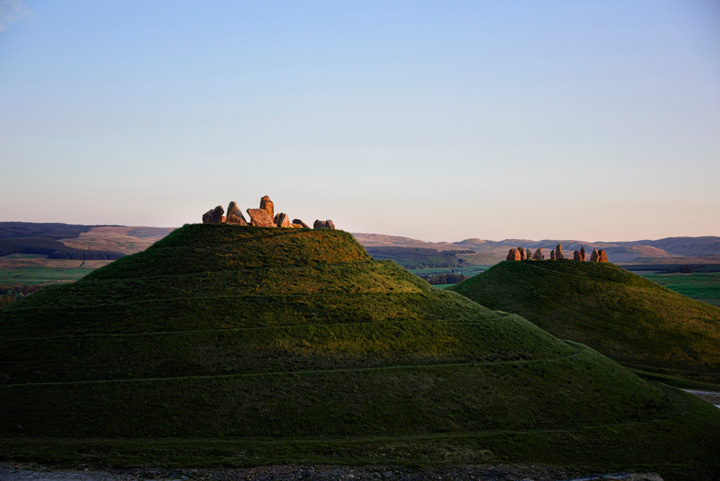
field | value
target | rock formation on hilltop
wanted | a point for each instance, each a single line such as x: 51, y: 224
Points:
x: 538, y: 256
x: 261, y: 217
x: 559, y: 253
x: 213, y: 216
x: 582, y: 253
x: 577, y: 256
x: 513, y: 255
x: 594, y: 256
x: 521, y: 250
x: 553, y: 256
x: 267, y: 205
x: 323, y: 224
x: 282, y: 220
x: 234, y: 215
x: 602, y: 256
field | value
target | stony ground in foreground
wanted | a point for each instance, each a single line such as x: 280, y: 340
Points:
x: 33, y: 472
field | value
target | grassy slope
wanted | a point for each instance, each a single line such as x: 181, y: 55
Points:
x: 622, y: 315
x: 240, y: 346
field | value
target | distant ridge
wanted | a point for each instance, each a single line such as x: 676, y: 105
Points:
x: 670, y: 250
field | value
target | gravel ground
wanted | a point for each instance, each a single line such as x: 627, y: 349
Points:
x: 31, y: 472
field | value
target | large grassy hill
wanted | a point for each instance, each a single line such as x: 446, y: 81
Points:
x: 626, y: 317
x: 240, y: 345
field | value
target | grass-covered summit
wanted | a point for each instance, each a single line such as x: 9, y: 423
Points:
x: 626, y: 317
x: 240, y: 345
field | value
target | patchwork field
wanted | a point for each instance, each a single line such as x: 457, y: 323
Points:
x: 703, y: 287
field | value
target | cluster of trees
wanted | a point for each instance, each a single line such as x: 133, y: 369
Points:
x: 10, y: 293
x: 448, y: 278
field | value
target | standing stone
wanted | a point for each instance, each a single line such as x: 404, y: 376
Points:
x: 577, y: 256
x: 214, y: 216
x: 513, y: 255
x: 260, y: 218
x: 282, y: 220
x: 552, y: 255
x: 323, y: 224
x: 521, y: 251
x: 559, y: 253
x: 299, y: 223
x: 582, y: 253
x: 267, y: 205
x: 602, y: 256
x: 594, y: 256
x: 235, y: 216
x: 538, y: 256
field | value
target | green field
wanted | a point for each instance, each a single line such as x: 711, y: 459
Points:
x: 704, y: 287
x: 468, y: 270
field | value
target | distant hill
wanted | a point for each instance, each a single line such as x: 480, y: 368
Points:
x: 626, y: 317
x: 227, y: 344
x: 672, y: 250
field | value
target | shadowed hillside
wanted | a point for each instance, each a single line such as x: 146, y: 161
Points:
x: 240, y: 345
x: 624, y: 316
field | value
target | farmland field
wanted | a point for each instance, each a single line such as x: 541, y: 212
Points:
x: 701, y: 286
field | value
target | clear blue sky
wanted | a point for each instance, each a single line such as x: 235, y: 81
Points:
x: 439, y: 120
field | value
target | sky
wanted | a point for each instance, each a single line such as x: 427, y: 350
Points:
x: 437, y: 120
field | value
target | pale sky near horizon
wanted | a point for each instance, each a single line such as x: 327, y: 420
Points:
x: 437, y: 120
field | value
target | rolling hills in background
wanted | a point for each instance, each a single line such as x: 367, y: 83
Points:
x: 223, y: 344
x: 128, y: 240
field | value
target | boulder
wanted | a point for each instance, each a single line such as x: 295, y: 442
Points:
x: 602, y: 256
x: 552, y: 255
x: 513, y: 255
x: 267, y: 205
x: 582, y: 253
x: 214, y: 216
x: 538, y: 256
x: 521, y: 251
x: 323, y: 224
x: 559, y: 253
x: 234, y: 215
x: 282, y: 220
x: 260, y: 218
x: 594, y: 256
x: 299, y: 223
x: 577, y: 256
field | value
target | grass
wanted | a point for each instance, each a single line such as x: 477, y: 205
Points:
x: 622, y: 315
x: 225, y: 345
x: 701, y: 286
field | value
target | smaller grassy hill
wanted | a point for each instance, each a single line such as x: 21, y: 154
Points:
x: 626, y: 317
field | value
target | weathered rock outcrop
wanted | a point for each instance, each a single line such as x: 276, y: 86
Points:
x: 513, y: 255
x: 323, y: 224
x: 553, y: 256
x: 538, y: 256
x: 521, y: 251
x: 577, y: 256
x: 213, y: 216
x: 235, y: 215
x: 282, y: 220
x: 267, y: 205
x: 582, y: 253
x: 559, y: 253
x: 602, y: 256
x: 260, y: 218
x: 299, y: 223
x: 594, y: 256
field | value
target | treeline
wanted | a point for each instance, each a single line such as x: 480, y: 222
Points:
x: 10, y: 293
x: 53, y: 249
x: 418, y: 257
x: 447, y: 278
